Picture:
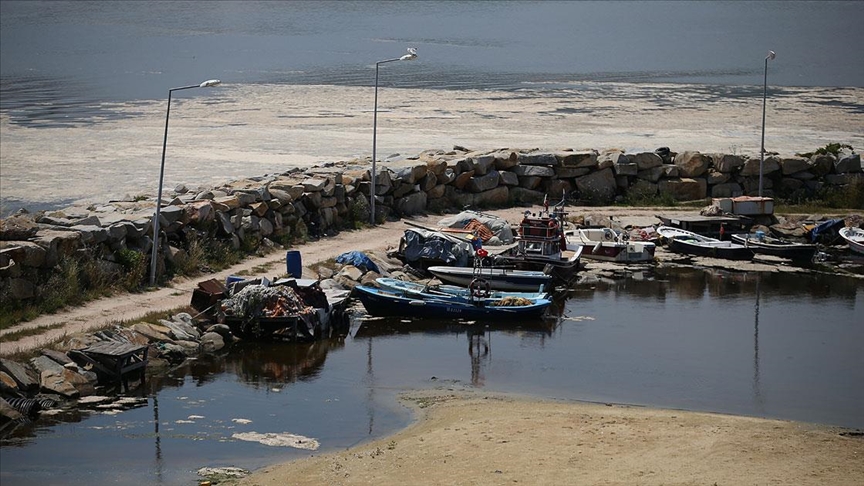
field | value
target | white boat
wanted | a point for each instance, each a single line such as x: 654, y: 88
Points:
x: 606, y: 244
x: 854, y: 237
x: 449, y: 292
x: 498, y: 278
x: 682, y: 241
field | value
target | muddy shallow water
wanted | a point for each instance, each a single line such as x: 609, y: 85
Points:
x: 769, y: 345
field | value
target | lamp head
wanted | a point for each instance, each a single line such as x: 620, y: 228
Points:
x: 210, y: 83
x: 412, y: 54
x: 771, y: 55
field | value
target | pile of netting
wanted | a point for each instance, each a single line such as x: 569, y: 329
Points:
x: 512, y: 302
x: 259, y: 301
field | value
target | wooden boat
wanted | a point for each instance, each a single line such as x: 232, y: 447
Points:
x: 380, y: 302
x: 766, y: 245
x: 681, y: 241
x: 710, y: 226
x: 447, y: 292
x: 854, y: 237
x: 606, y: 244
x: 542, y: 246
x: 499, y: 278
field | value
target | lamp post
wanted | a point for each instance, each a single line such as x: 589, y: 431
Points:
x: 412, y: 54
x: 770, y: 55
x: 206, y: 84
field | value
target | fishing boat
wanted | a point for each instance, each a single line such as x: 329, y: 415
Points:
x: 854, y: 237
x: 542, y: 246
x: 379, y: 302
x: 499, y: 278
x: 686, y: 242
x: 450, y: 292
x: 762, y: 244
x: 607, y: 244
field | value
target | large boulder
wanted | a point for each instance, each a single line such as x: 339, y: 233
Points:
x: 505, y: 159
x: 791, y: 165
x: 582, y: 159
x: 847, y: 161
x: 751, y: 167
x: 727, y: 189
x: 414, y: 203
x: 685, y: 189
x: 692, y: 164
x: 17, y: 228
x: 537, y: 158
x: 484, y: 182
x: 645, y: 160
x: 533, y: 171
x: 599, y: 186
x: 727, y: 163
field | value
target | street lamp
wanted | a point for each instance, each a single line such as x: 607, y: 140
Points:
x: 412, y: 54
x: 770, y: 55
x: 206, y: 84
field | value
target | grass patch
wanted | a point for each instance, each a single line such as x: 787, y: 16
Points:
x: 22, y: 333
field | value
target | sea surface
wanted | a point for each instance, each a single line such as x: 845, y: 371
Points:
x: 764, y: 345
x: 66, y: 58
x: 83, y: 85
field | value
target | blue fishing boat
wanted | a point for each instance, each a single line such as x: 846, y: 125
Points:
x: 380, y: 302
x: 451, y: 292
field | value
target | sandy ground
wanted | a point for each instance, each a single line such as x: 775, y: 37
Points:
x: 238, y: 131
x: 478, y: 438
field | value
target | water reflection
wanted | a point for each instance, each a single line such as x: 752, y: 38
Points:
x: 770, y: 345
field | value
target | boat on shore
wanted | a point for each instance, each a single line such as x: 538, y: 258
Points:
x: 689, y: 243
x: 762, y: 244
x: 449, y: 292
x: 542, y: 246
x: 854, y: 237
x: 607, y: 244
x: 499, y: 278
x: 379, y: 302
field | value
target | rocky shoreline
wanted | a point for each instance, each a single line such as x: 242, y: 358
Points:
x: 257, y: 213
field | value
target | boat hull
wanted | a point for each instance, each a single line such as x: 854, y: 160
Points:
x: 689, y: 243
x: 605, y: 244
x: 447, y: 292
x: 798, y: 252
x: 727, y: 251
x: 498, y: 278
x: 384, y: 304
x: 854, y: 238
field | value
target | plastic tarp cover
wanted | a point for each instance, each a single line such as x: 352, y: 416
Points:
x: 428, y: 245
x: 500, y: 227
x: 358, y: 259
x: 830, y: 228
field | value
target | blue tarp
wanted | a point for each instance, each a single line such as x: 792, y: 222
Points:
x: 358, y: 259
x: 830, y: 228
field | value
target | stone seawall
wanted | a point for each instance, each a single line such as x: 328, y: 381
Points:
x: 263, y: 211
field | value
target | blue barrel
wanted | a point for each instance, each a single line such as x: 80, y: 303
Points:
x: 294, y: 264
x: 231, y: 279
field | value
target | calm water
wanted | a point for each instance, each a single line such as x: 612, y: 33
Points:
x: 62, y: 59
x: 764, y: 345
